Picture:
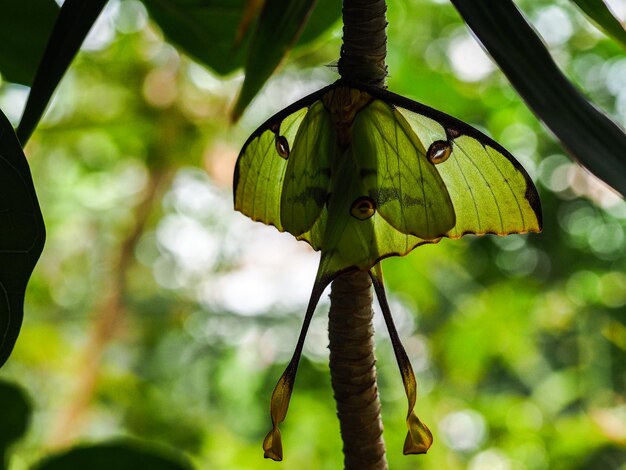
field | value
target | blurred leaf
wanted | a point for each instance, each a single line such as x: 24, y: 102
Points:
x: 22, y: 235
x: 72, y: 25
x: 15, y: 411
x: 121, y: 455
x: 277, y: 30
x: 275, y: 36
x: 599, y: 12
x: 324, y: 15
x: 588, y: 134
x: 205, y: 30
x: 20, y: 53
x: 251, y: 11
x: 211, y: 34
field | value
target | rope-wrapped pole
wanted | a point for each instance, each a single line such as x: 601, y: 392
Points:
x: 353, y: 372
x: 350, y: 328
x: 364, y: 42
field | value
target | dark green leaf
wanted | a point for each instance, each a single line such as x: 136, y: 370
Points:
x: 73, y: 23
x: 587, y: 133
x: 22, y: 235
x: 208, y: 32
x: 122, y: 455
x: 205, y: 30
x: 20, y: 53
x: 599, y: 12
x: 15, y: 411
x: 324, y: 15
x: 278, y: 27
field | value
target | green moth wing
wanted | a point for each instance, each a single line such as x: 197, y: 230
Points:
x: 307, y: 175
x: 263, y: 160
x: 361, y: 174
x: 407, y: 189
x: 490, y: 191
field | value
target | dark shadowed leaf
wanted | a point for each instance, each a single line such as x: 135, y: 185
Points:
x: 325, y: 14
x: 279, y: 25
x: 588, y: 134
x: 599, y: 12
x: 211, y: 33
x: 121, y: 455
x: 20, y: 53
x: 204, y: 30
x: 269, y: 45
x: 22, y: 235
x: 15, y: 411
x: 73, y: 23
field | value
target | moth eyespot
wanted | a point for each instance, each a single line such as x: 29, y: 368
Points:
x: 282, y: 146
x: 363, y: 208
x: 439, y: 151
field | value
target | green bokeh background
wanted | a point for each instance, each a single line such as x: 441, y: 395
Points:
x: 518, y: 343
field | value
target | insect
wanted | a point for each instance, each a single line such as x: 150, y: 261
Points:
x: 361, y: 174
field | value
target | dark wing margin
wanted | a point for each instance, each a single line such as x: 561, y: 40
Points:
x: 275, y: 121
x: 458, y: 134
x: 262, y: 163
x: 456, y: 128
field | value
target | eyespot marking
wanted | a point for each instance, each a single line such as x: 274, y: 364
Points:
x: 439, y: 151
x: 363, y: 208
x: 282, y: 146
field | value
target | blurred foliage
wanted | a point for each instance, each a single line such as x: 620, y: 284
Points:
x: 588, y: 134
x: 118, y: 455
x: 15, y: 409
x: 157, y: 312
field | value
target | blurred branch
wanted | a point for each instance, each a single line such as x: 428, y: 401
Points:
x: 108, y: 317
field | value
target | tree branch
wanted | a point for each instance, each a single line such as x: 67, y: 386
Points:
x: 353, y: 372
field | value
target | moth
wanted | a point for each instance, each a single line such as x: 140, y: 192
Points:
x: 361, y: 174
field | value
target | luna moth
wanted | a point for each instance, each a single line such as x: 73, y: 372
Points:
x: 361, y: 174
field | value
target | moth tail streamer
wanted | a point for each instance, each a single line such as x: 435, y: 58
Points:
x: 419, y: 438
x: 279, y: 403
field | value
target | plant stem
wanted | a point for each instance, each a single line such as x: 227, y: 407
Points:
x: 353, y: 372
x: 350, y: 328
x: 364, y: 42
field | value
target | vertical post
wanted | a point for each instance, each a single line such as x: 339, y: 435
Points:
x: 350, y: 328
x: 364, y: 45
x: 353, y: 372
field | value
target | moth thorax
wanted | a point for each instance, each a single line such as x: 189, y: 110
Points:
x: 439, y: 151
x: 343, y: 104
x: 363, y: 208
x: 282, y: 146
